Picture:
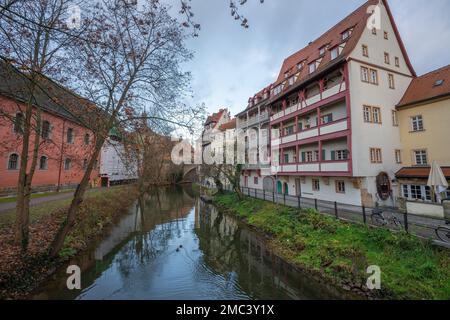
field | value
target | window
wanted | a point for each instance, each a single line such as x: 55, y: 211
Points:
x: 387, y: 60
x: 13, y: 162
x: 364, y: 74
x: 373, y: 76
x: 375, y: 155
x: 416, y: 192
x: 397, y: 62
x: 43, y: 163
x: 45, y: 132
x: 339, y: 155
x: 18, y: 123
x: 386, y: 36
x: 322, y: 50
x: 86, y: 139
x: 394, y: 118
x: 289, y: 130
x: 420, y: 157
x: 391, y: 81
x: 312, y: 67
x: 365, y: 50
x: 291, y: 81
x: 374, y: 31
x: 327, y: 118
x: 438, y: 83
x: 67, y: 164
x: 376, y: 115
x: 316, y: 185
x: 367, y: 114
x: 417, y: 123
x: 307, y: 156
x: 346, y: 34
x: 85, y: 164
x: 70, y: 135
x: 340, y: 186
x: 398, y: 156
x: 255, y: 180
x: 334, y: 53
x: 286, y: 158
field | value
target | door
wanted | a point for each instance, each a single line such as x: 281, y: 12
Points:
x: 279, y: 187
x: 286, y: 188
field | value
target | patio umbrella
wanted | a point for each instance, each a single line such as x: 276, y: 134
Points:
x: 437, y: 180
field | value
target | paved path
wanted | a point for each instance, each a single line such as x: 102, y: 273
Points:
x: 5, y: 207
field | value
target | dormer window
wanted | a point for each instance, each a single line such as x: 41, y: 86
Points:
x: 300, y: 65
x: 286, y: 75
x: 322, y: 50
x: 291, y: 81
x: 346, y: 34
x: 438, y: 83
x: 312, y: 67
x: 334, y: 53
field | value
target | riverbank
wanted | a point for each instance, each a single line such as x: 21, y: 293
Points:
x: 340, y: 252
x: 19, y: 274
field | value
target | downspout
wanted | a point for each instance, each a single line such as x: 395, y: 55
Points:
x: 61, y: 157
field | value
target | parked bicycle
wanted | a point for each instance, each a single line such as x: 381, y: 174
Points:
x: 382, y: 219
x: 443, y: 233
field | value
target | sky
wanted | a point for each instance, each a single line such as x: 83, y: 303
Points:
x: 231, y: 63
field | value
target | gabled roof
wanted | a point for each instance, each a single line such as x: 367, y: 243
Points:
x: 427, y: 87
x: 215, y: 117
x: 356, y: 22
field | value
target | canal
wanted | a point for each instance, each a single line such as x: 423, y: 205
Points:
x: 171, y: 245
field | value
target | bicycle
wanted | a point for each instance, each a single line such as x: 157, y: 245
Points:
x: 380, y: 219
x: 443, y: 233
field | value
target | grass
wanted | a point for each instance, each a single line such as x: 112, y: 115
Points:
x: 36, y: 212
x: 34, y: 196
x: 341, y: 252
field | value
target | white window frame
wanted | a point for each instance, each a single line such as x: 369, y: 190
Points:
x: 424, y: 191
x: 422, y: 155
x: 417, y: 123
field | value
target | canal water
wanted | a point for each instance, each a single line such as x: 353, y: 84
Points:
x: 171, y: 245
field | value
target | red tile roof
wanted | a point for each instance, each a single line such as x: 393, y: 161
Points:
x: 215, y: 117
x: 228, y: 125
x: 424, y: 88
x: 356, y: 21
x: 419, y: 172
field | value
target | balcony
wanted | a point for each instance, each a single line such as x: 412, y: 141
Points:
x: 309, y: 168
x: 326, y: 94
x: 311, y: 133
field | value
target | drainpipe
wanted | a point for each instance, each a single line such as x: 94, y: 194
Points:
x: 61, y: 157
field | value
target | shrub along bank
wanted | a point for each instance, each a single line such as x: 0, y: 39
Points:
x: 340, y: 252
x: 19, y: 274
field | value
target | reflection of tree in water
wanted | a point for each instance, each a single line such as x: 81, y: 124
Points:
x: 161, y: 213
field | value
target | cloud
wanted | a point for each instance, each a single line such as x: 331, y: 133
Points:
x: 231, y: 63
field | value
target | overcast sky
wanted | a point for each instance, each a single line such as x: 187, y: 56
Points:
x: 232, y: 63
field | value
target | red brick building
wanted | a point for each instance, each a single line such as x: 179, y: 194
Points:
x: 65, y: 140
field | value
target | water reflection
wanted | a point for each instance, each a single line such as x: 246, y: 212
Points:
x: 171, y: 245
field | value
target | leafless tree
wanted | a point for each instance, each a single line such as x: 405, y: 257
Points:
x: 30, y: 36
x: 129, y: 61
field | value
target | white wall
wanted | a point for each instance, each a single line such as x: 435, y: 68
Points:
x: 327, y: 192
x: 115, y: 164
x: 385, y: 135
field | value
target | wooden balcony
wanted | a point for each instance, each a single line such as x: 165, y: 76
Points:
x: 334, y: 92
x: 331, y: 167
x: 308, y: 135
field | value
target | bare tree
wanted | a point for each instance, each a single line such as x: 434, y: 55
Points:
x: 129, y: 61
x: 30, y: 36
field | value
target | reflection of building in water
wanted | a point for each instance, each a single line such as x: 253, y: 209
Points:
x: 232, y: 249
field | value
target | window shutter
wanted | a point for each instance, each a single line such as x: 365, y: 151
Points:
x: 303, y: 156
x: 324, y: 155
x: 333, y: 155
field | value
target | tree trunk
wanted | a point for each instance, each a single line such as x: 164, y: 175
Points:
x: 67, y: 225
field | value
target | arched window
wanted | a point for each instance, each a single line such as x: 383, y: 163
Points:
x: 45, y: 133
x: 13, y: 162
x: 70, y: 135
x: 86, y: 139
x: 43, y: 163
x: 67, y: 164
x: 85, y: 164
x: 18, y: 123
